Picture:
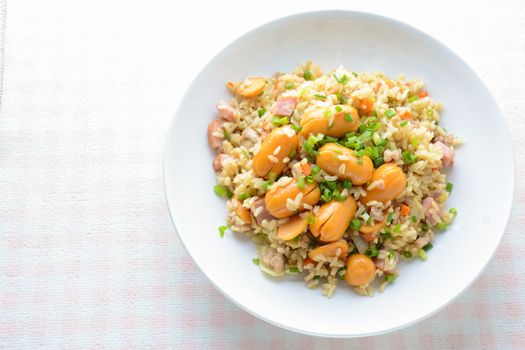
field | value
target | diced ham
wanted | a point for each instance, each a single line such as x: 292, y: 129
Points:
x: 423, y: 241
x: 285, y: 106
x: 273, y: 260
x: 214, y: 141
x: 218, y: 162
x: 448, y: 154
x: 226, y: 112
x: 264, y: 214
x: 376, y: 214
x: 430, y: 207
x: 249, y: 137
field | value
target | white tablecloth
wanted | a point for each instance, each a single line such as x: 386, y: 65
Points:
x: 88, y: 256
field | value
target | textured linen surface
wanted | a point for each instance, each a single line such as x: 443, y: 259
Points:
x: 88, y: 255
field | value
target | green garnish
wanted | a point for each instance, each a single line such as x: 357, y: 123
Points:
x: 289, y: 85
x: 413, y: 219
x: 255, y: 261
x: 442, y: 226
x: 408, y: 157
x: 413, y: 98
x: 296, y: 128
x: 390, y: 278
x: 390, y: 113
x: 449, y: 187
x: 293, y: 269
x: 279, y: 121
x: 227, y: 136
x: 292, y: 154
x: 242, y: 196
x: 453, y: 211
x: 316, y: 277
x: 355, y: 224
x: 397, y: 228
x: 372, y: 252
x: 223, y: 229
x: 261, y: 112
x: 222, y: 191
x: 315, y: 169
x: 428, y: 247
x: 348, y: 117
x: 331, y: 185
x: 407, y: 254
x: 300, y: 182
x: 340, y: 98
x: 266, y: 185
x: 424, y: 226
x: 307, y: 75
x: 327, y: 195
x: 422, y: 254
x: 414, y: 141
x: 430, y: 112
x: 321, y: 96
x: 338, y: 108
x: 341, y: 80
x: 403, y: 123
x: 347, y: 184
x: 310, y: 219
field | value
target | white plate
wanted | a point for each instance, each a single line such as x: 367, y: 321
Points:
x: 483, y: 175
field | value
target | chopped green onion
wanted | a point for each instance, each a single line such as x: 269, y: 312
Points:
x: 376, y: 139
x: 360, y: 153
x: 453, y: 211
x: 407, y: 254
x: 331, y: 185
x: 413, y: 98
x: 340, y: 98
x: 266, y: 185
x: 296, y: 128
x: 403, y: 123
x: 315, y: 169
x: 425, y: 226
x: 292, y: 154
x: 261, y: 112
x: 389, y: 218
x: 272, y: 176
x: 223, y: 229
x: 307, y: 75
x: 391, y: 255
x: 279, y: 121
x: 316, y: 277
x: 328, y: 113
x: 310, y: 219
x: 338, y: 108
x: 342, y: 80
x: 449, y: 187
x: 355, y: 224
x: 293, y: 269
x: 321, y: 96
x: 390, y: 278
x: 386, y: 235
x: 390, y: 113
x: 372, y: 252
x: 242, y: 196
x: 430, y: 112
x: 347, y: 184
x: 397, y: 228
x: 300, y: 182
x: 289, y: 85
x: 310, y: 179
x: 413, y: 219
x: 255, y: 261
x: 227, y: 136
x: 337, y: 195
x: 428, y: 247
x: 422, y: 254
x: 408, y: 157
x: 311, y: 245
x: 341, y: 272
x: 348, y: 117
x: 222, y: 191
x: 414, y: 141
x: 442, y: 226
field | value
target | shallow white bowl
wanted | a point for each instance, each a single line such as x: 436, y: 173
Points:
x: 362, y: 42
